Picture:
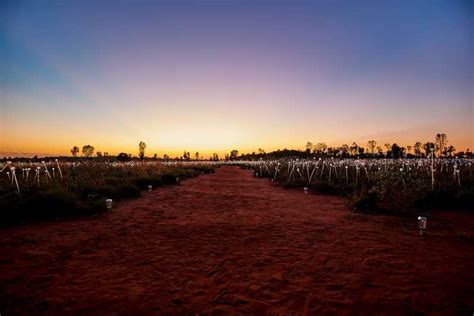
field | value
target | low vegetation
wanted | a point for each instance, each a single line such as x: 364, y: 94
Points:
x: 379, y: 185
x: 38, y: 190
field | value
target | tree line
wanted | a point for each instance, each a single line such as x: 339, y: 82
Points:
x: 439, y: 147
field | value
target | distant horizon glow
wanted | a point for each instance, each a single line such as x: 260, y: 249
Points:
x: 215, y: 76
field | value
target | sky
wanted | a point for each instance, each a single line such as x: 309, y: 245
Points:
x: 212, y: 76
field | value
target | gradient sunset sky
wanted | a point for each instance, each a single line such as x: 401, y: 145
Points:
x: 211, y: 76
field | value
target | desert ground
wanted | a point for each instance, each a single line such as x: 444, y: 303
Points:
x: 230, y: 243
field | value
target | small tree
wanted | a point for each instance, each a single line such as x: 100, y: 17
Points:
x: 345, y: 150
x: 234, y: 154
x: 354, y: 148
x: 321, y: 148
x: 141, y: 150
x: 74, y: 151
x: 417, y: 149
x: 88, y: 150
x: 427, y: 148
x: 450, y: 150
x: 196, y: 155
x: 379, y: 150
x: 371, y: 145
x: 123, y: 157
x: 441, y: 141
x: 396, y: 151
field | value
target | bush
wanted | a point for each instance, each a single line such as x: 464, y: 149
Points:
x: 168, y: 178
x: 83, y: 188
x: 144, y: 182
x: 51, y: 203
x: 123, y: 157
x: 367, y: 202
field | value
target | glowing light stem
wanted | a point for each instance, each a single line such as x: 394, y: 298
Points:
x: 16, y: 182
x: 298, y: 170
x: 289, y: 177
x: 432, y: 169
x: 276, y: 172
x: 312, y: 173
x: 265, y: 165
x: 357, y: 176
x: 46, y: 169
x: 59, y: 169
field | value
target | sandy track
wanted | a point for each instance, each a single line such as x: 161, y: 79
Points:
x: 228, y: 243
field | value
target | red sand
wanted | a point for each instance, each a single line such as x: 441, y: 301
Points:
x: 229, y: 243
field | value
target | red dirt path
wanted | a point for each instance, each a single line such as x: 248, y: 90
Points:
x: 228, y: 243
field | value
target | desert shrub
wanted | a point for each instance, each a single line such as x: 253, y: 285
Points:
x: 465, y: 198
x: 50, y: 203
x: 123, y: 157
x: 169, y: 178
x: 144, y: 181
x: 83, y: 187
x: 396, y: 186
x: 365, y: 202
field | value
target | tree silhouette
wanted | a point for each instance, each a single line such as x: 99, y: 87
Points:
x: 379, y: 150
x: 371, y: 145
x: 427, y: 148
x: 320, y: 148
x: 354, y: 148
x: 234, y: 154
x: 123, y: 157
x: 141, y: 150
x: 74, y: 151
x: 440, y: 143
x: 88, y: 150
x: 450, y: 150
x: 345, y: 149
x: 417, y: 148
x: 396, y: 151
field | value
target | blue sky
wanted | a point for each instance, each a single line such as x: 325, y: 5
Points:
x: 215, y: 75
